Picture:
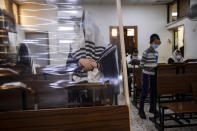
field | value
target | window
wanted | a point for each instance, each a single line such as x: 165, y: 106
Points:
x: 15, y: 8
x: 130, y: 32
x: 184, y: 7
x: 178, y: 38
x: 178, y: 9
x: 2, y: 5
x: 173, y: 12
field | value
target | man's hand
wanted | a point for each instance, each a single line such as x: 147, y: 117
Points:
x: 152, y: 69
x: 88, y: 64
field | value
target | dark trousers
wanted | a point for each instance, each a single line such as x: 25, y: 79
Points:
x: 148, y: 81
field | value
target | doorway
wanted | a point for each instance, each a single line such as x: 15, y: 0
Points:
x: 130, y: 37
x: 39, y: 47
x: 178, y: 34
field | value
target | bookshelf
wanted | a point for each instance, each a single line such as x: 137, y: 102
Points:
x: 7, y: 24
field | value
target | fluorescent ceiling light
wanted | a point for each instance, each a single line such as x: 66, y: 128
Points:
x: 174, y: 14
x: 70, y: 11
x: 65, y: 41
x: 73, y: 1
x: 65, y: 28
x: 51, y: 1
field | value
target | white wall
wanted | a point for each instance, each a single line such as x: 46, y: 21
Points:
x: 190, y: 35
x: 148, y: 18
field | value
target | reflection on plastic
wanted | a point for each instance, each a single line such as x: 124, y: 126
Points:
x: 49, y: 43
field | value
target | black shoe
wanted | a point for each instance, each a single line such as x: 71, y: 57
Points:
x: 153, y: 112
x: 142, y: 115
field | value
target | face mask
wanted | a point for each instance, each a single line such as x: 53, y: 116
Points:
x: 155, y: 46
x: 134, y: 57
x: 178, y: 57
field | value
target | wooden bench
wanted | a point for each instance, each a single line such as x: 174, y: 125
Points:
x: 185, y: 111
x: 166, y: 69
x: 172, y: 84
x: 104, y: 118
x: 178, y: 83
x: 45, y: 97
x: 137, y: 82
x: 181, y: 107
x: 103, y: 91
x: 18, y: 93
x: 194, y: 90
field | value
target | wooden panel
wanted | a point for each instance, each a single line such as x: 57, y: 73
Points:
x: 10, y: 100
x: 172, y: 84
x: 194, y: 90
x: 137, y: 72
x: 105, y: 118
x: 190, y: 72
x: 47, y: 97
x: 191, y: 68
x: 166, y: 69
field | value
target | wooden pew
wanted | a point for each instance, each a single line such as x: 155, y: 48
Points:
x: 46, y: 97
x: 137, y: 83
x: 103, y: 91
x: 104, y: 118
x: 194, y: 90
x: 172, y: 84
x: 190, y: 71
x: 191, y: 75
x: 167, y: 69
x: 175, y: 84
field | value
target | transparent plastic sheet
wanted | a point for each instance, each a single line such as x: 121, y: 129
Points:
x: 57, y: 57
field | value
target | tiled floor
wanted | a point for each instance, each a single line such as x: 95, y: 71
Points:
x: 137, y: 124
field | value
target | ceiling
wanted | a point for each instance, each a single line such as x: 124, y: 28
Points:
x: 99, y: 2
x: 127, y: 1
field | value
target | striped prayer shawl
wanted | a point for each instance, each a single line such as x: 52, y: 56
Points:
x: 90, y: 51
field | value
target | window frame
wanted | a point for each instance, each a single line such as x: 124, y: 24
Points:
x: 179, y: 2
x: 18, y: 11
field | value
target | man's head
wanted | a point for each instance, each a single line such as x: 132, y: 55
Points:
x: 178, y: 54
x: 155, y: 41
x: 135, y: 52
